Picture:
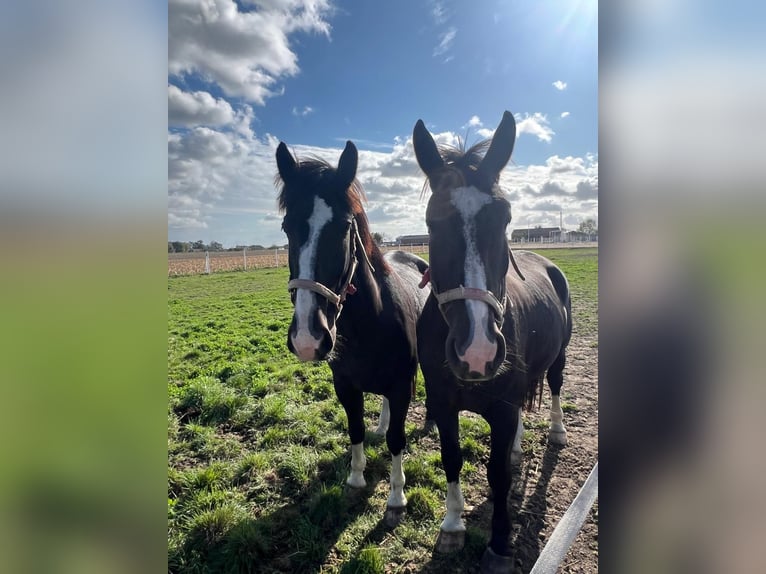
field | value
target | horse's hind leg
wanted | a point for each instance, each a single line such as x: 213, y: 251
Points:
x: 395, y: 438
x: 516, y: 448
x: 558, y: 433
x: 353, y: 403
x: 385, y: 418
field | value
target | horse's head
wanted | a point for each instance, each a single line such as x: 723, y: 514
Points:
x: 319, y: 203
x: 467, y: 219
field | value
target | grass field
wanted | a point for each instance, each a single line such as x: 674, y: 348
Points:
x: 258, y: 452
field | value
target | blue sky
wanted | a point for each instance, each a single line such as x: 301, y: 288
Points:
x: 245, y: 75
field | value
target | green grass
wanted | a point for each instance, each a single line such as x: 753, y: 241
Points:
x: 258, y: 452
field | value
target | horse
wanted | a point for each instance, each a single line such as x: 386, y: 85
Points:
x: 487, y: 334
x: 353, y: 307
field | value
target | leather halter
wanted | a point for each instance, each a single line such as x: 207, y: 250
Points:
x: 464, y: 293
x: 337, y: 299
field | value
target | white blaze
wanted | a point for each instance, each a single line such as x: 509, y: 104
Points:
x: 468, y: 201
x: 303, y: 342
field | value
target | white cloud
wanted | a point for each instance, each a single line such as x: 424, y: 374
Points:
x: 197, y: 108
x: 559, y: 85
x: 473, y: 122
x: 445, y: 42
x: 439, y: 12
x: 304, y: 112
x: 535, y: 124
x: 564, y: 114
x: 245, y: 53
x: 220, y: 186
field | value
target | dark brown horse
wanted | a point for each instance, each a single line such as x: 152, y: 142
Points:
x: 488, y: 333
x: 353, y: 306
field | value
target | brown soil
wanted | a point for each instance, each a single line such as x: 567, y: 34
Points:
x: 550, y: 476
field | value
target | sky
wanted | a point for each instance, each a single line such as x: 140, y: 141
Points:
x: 245, y: 75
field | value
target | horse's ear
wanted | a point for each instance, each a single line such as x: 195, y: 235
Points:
x: 347, y: 164
x: 426, y: 151
x: 286, y: 163
x: 500, y: 149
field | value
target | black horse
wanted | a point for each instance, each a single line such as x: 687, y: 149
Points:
x: 353, y: 306
x: 487, y: 334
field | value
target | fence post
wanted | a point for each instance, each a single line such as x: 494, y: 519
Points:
x: 207, y: 262
x: 244, y: 255
x: 276, y: 257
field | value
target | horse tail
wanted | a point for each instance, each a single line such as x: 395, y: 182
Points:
x: 534, y: 394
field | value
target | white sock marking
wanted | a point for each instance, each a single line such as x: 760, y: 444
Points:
x: 397, y: 499
x: 385, y: 418
x: 516, y: 448
x: 468, y: 201
x: 358, y: 462
x: 557, y: 415
x: 303, y: 342
x: 558, y: 433
x: 455, y: 504
x: 519, y: 431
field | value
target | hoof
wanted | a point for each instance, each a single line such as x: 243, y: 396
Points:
x: 394, y: 515
x: 450, y: 541
x: 558, y: 437
x: 515, y: 457
x: 492, y: 563
x: 356, y: 481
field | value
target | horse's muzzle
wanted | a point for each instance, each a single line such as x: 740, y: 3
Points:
x: 312, y: 344
x: 476, y: 360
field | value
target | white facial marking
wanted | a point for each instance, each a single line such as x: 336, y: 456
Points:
x: 455, y: 504
x: 468, y: 201
x: 304, y: 343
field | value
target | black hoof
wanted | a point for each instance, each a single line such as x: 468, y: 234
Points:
x: 394, y: 516
x: 450, y: 541
x: 492, y: 563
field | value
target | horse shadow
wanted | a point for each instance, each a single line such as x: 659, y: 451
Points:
x: 527, y: 515
x: 298, y: 536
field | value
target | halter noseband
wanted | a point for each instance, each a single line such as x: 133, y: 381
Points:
x: 465, y: 293
x: 337, y: 299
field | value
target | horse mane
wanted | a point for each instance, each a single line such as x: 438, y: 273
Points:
x: 313, y: 170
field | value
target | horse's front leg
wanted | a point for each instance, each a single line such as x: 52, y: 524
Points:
x: 395, y: 438
x: 353, y: 403
x: 452, y: 529
x: 503, y: 420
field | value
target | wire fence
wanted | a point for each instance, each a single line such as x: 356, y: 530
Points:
x: 206, y: 262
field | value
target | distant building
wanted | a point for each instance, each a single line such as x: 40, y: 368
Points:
x: 538, y: 235
x: 412, y: 240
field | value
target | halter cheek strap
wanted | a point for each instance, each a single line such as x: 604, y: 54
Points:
x: 337, y: 299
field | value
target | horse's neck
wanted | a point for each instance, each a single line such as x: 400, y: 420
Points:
x: 365, y: 304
